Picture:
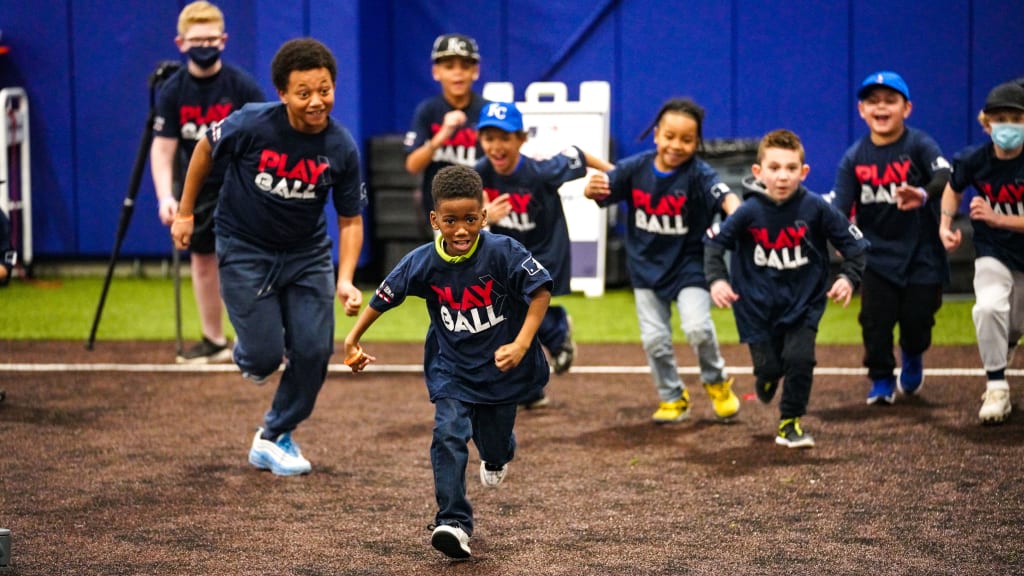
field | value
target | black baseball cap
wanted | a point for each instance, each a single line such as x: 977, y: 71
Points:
x: 1005, y: 96
x: 448, y: 45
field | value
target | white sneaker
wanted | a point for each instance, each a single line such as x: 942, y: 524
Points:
x: 451, y: 540
x: 995, y: 406
x: 492, y: 478
x: 281, y: 456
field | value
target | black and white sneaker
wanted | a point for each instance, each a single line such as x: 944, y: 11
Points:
x: 451, y: 540
x: 206, y: 352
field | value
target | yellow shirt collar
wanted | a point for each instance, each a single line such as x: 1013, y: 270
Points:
x: 439, y: 245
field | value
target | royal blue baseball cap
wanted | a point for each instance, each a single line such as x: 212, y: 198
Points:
x: 885, y: 78
x: 503, y: 115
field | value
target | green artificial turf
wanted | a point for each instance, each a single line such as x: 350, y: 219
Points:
x: 143, y: 309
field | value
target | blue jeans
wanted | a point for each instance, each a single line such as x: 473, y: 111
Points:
x: 455, y: 422
x: 281, y: 305
x: 655, y: 316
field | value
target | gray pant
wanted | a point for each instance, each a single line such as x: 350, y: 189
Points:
x: 998, y: 310
x: 655, y: 316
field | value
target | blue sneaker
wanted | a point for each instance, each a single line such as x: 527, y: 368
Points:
x: 911, y: 374
x: 883, y: 391
x: 281, y: 456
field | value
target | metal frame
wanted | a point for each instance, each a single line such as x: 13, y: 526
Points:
x: 14, y: 131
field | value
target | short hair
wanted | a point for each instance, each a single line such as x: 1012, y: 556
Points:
x: 457, y: 181
x: 783, y: 139
x: 200, y: 12
x: 301, y: 54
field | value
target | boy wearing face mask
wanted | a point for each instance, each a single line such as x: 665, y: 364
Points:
x: 995, y: 170
x: 189, y: 102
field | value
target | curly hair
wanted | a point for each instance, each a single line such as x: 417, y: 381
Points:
x: 453, y: 182
x: 301, y: 54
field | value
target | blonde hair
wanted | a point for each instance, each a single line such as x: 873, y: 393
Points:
x: 200, y: 12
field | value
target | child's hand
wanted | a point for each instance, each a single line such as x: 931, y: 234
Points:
x: 452, y: 121
x: 508, y: 356
x: 950, y: 238
x: 981, y: 210
x: 597, y: 187
x: 498, y: 208
x: 910, y: 197
x: 355, y: 358
x: 722, y: 294
x: 350, y: 296
x: 842, y: 291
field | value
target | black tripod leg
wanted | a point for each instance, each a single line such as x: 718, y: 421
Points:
x: 126, y: 216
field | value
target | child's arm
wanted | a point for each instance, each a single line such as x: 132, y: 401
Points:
x: 418, y: 160
x: 982, y: 210
x: 508, y: 356
x: 595, y: 162
x: 350, y: 244
x: 950, y: 203
x: 718, y: 276
x: 730, y: 203
x: 355, y: 358
x: 850, y: 242
x: 199, y: 168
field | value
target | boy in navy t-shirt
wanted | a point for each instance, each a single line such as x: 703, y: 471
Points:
x: 443, y: 131
x: 486, y: 297
x: 283, y: 160
x: 906, y: 266
x: 780, y: 268
x: 537, y: 218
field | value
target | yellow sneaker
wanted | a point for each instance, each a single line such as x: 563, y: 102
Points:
x: 673, y: 411
x: 725, y: 403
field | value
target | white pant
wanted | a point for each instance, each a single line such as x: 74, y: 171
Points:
x: 998, y: 310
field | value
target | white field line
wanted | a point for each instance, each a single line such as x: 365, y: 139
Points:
x: 418, y: 368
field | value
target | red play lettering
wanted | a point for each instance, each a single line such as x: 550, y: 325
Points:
x: 519, y: 202
x: 895, y: 173
x: 667, y: 205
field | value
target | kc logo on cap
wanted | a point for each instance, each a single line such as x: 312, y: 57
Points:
x: 448, y: 45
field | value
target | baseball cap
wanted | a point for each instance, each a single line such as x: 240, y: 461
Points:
x: 885, y: 78
x: 503, y: 115
x: 447, y: 45
x: 1008, y: 95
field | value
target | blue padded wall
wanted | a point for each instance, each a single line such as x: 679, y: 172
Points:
x: 754, y: 65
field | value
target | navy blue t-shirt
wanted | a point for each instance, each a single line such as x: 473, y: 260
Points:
x: 462, y: 148
x: 537, y: 218
x: 667, y: 215
x: 905, y: 245
x: 780, y: 260
x: 475, y: 307
x: 277, y: 178
x: 1001, y: 184
x: 186, y: 107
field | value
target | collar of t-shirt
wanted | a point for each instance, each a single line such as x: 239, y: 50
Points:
x: 439, y: 245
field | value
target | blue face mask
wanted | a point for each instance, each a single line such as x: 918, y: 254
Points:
x: 204, y: 56
x: 1008, y: 136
